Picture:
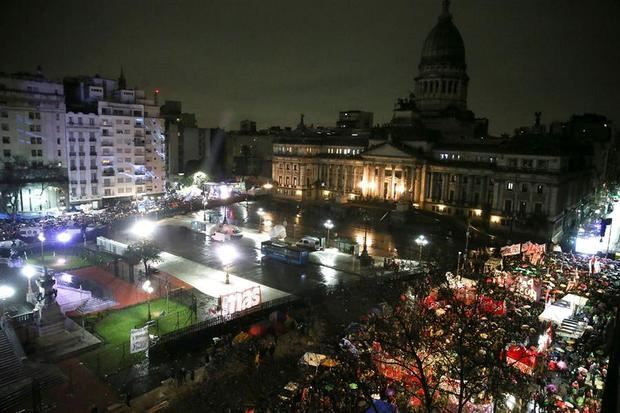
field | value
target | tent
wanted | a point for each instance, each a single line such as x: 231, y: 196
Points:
x: 521, y: 358
x: 381, y: 406
x: 313, y: 359
x: 555, y: 313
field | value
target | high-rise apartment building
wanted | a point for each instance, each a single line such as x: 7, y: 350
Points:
x: 115, y: 141
x: 32, y: 142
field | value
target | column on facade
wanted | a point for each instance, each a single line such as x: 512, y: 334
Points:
x: 392, y: 182
x: 444, y: 186
x: 416, y: 185
x: 345, y: 180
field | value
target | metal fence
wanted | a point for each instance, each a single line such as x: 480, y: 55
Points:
x: 113, y: 358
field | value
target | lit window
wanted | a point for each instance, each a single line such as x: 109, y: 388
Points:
x: 509, y: 185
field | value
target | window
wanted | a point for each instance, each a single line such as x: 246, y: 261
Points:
x: 59, y: 152
x: 542, y: 164
x: 6, y: 139
x: 539, y: 189
x: 57, y: 141
x: 509, y: 186
x: 523, y: 187
x: 538, y: 208
x: 508, y: 205
x: 294, y: 167
x: 527, y: 163
x: 523, y: 207
x: 33, y: 152
x: 465, y: 179
x: 451, y: 196
x: 288, y: 167
x: 91, y: 121
x: 7, y: 153
x: 512, y: 163
x: 452, y: 178
x: 295, y: 181
x: 5, y: 126
x: 4, y: 114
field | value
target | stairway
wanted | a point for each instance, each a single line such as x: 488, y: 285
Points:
x: 14, y: 385
x: 571, y: 329
x: 93, y: 305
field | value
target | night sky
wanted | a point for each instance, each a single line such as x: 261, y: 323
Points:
x: 270, y: 60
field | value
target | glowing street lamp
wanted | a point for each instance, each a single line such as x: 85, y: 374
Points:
x: 329, y: 225
x: 41, y: 238
x: 260, y: 213
x: 421, y: 241
x: 227, y: 254
x: 143, y: 228
x: 29, y: 271
x: 149, y: 290
x: 63, y: 238
x: 5, y: 293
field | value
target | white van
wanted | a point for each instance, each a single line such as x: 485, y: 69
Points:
x: 312, y: 243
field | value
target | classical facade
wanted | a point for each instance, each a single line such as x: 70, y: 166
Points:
x: 436, y: 155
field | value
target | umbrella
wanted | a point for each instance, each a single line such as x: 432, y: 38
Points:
x: 328, y: 362
x: 353, y: 328
x: 313, y: 359
x: 381, y: 406
x: 562, y: 365
x: 353, y: 386
x: 552, y: 388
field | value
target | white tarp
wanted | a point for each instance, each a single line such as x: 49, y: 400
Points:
x: 555, y: 313
x: 139, y: 339
x: 576, y: 301
x: 313, y: 359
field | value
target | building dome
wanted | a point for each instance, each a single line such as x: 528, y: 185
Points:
x: 444, y: 44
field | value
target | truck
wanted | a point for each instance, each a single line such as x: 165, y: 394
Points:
x: 281, y: 251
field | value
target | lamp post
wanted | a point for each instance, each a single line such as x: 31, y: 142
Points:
x: 5, y: 292
x: 149, y: 290
x: 329, y: 225
x: 458, y: 264
x: 364, y: 257
x: 63, y: 238
x: 421, y: 241
x: 29, y: 271
x: 227, y: 254
x: 41, y: 238
x: 260, y: 213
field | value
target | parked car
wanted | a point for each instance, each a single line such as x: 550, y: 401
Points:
x: 312, y: 243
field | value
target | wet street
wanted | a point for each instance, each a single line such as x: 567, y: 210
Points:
x: 385, y: 238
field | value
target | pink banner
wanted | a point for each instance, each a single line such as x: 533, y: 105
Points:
x: 513, y: 249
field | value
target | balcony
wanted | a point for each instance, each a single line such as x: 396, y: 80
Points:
x: 81, y: 140
x: 94, y: 181
x: 107, y: 143
x: 72, y: 154
x: 92, y: 139
x: 108, y: 172
x: 82, y: 168
x: 92, y: 153
x: 81, y: 153
x: 71, y: 139
x: 83, y: 181
x: 93, y: 167
x: 138, y: 142
x: 73, y: 168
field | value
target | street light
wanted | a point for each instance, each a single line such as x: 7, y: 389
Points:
x: 329, y: 225
x: 5, y: 292
x: 63, y: 238
x: 421, y: 241
x: 143, y: 228
x: 149, y: 290
x: 29, y: 271
x: 260, y: 213
x: 227, y: 254
x: 364, y: 257
x: 41, y: 238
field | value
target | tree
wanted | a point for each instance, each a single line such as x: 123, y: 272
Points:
x: 442, y: 349
x: 143, y: 251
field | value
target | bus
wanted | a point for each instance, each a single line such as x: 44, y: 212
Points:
x: 283, y: 252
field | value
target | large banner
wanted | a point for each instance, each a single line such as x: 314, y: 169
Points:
x: 139, y: 339
x: 240, y: 301
x: 513, y: 249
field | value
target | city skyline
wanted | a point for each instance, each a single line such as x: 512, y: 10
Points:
x: 324, y: 58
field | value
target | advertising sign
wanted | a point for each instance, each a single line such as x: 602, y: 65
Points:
x: 139, y: 339
x: 513, y: 249
x: 240, y: 300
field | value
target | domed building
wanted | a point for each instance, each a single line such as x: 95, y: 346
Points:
x: 439, y: 101
x: 442, y: 81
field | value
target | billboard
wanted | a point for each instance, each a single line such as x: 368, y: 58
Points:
x: 240, y: 300
x: 139, y: 339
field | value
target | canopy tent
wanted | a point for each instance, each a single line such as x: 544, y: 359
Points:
x: 521, y: 358
x: 313, y: 359
x: 576, y: 301
x: 555, y: 313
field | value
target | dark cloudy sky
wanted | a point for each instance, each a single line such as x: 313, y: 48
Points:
x: 270, y: 60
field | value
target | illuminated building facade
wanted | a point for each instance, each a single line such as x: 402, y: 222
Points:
x: 115, y: 141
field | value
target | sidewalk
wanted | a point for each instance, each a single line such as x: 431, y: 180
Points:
x: 82, y: 390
